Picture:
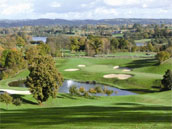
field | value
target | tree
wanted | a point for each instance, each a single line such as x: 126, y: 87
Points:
x: 44, y: 79
x: 96, y: 45
x: 44, y: 49
x: 162, y: 56
x: 4, y: 57
x: 167, y: 80
x: 29, y: 53
x: 114, y: 43
x: 74, y: 44
x: 150, y: 47
x: 15, y: 59
x: 20, y: 41
x: 6, y: 98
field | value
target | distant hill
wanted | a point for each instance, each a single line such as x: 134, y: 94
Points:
x: 47, y: 22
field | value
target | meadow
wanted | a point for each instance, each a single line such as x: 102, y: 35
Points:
x: 149, y: 109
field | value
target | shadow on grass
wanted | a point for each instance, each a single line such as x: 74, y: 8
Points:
x: 141, y: 90
x: 142, y: 63
x: 85, y: 115
x: 25, y: 101
x: 66, y: 96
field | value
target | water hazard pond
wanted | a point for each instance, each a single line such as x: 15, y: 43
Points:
x: 69, y: 83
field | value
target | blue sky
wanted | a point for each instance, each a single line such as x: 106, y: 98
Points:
x: 85, y: 9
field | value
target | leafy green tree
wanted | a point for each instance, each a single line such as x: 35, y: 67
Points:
x: 114, y: 43
x: 96, y: 45
x: 162, y: 56
x: 44, y: 79
x: 167, y: 80
x: 29, y: 53
x: 150, y: 47
x: 15, y: 59
x: 20, y: 41
x: 44, y: 49
x: 4, y: 57
x: 123, y: 44
x: 6, y: 98
x: 74, y: 44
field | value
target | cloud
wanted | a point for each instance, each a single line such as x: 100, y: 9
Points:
x: 16, y: 9
x: 97, y: 13
x: 85, y: 9
x: 55, y: 4
x: 121, y: 2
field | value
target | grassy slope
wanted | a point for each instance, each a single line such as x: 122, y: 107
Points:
x: 121, y: 112
x: 150, y: 111
x: 146, y: 73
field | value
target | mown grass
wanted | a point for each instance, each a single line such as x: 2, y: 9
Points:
x: 132, y: 54
x: 152, y: 111
x: 146, y: 72
x: 142, y: 41
x: 145, y: 111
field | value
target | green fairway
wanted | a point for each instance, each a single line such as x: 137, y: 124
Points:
x: 142, y: 111
x: 146, y: 72
x: 125, y: 112
x: 143, y: 40
x: 117, y: 35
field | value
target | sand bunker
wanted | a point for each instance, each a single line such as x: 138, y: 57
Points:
x: 116, y: 67
x: 126, y: 70
x: 119, y: 76
x: 81, y: 65
x: 71, y: 70
x: 16, y: 92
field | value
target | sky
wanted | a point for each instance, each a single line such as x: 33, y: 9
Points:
x: 85, y: 9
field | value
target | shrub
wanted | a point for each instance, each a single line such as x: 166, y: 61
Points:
x: 98, y: 89
x: 17, y: 101
x: 109, y: 92
x: 92, y: 91
x: 6, y: 98
x: 86, y: 94
x: 74, y: 91
x: 82, y: 89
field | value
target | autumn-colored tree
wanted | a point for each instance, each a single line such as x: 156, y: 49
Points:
x: 20, y: 41
x: 44, y: 79
x: 29, y: 53
x: 44, y: 49
x: 162, y: 56
x: 15, y: 59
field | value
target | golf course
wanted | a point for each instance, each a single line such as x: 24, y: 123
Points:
x: 148, y: 108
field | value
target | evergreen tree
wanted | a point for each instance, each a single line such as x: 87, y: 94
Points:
x: 167, y: 80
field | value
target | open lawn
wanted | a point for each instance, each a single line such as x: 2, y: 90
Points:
x: 117, y: 35
x: 150, y: 111
x: 142, y: 41
x: 142, y: 111
x: 146, y: 72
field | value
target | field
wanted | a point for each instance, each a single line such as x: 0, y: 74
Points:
x: 149, y: 110
x: 117, y: 35
x: 142, y: 41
